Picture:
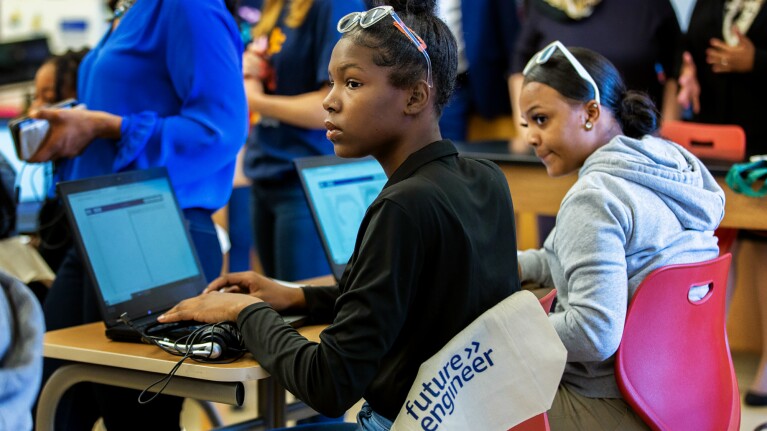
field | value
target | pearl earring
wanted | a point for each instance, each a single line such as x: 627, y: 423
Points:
x: 589, y: 125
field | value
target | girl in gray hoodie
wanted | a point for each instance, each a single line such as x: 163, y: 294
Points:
x: 640, y: 203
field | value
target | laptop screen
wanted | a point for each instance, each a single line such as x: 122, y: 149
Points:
x: 30, y: 179
x: 339, y: 192
x: 136, y: 245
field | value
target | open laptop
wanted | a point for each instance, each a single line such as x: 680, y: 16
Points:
x: 339, y: 191
x: 137, y: 249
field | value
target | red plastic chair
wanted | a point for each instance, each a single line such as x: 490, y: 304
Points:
x: 548, y: 300
x: 540, y: 422
x: 708, y: 141
x: 535, y: 423
x: 674, y: 365
x: 727, y: 236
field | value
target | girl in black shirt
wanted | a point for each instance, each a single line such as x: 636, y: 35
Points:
x: 435, y: 249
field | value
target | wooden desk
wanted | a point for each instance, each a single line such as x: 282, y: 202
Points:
x: 533, y: 191
x: 132, y: 365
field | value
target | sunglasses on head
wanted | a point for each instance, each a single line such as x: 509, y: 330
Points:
x: 372, y: 16
x: 545, y: 54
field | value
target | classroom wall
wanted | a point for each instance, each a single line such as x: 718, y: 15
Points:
x: 67, y: 23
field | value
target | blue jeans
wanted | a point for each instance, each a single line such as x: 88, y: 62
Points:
x: 72, y: 301
x: 286, y: 237
x: 368, y: 420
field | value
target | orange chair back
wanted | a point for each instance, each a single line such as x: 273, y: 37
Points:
x: 541, y: 421
x: 707, y: 141
x: 710, y: 141
x: 674, y: 365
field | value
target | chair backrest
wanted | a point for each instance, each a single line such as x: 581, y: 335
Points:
x: 541, y: 421
x: 547, y: 300
x: 535, y: 423
x: 727, y: 237
x: 674, y: 365
x: 707, y: 141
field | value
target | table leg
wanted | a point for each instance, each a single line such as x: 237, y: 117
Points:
x: 271, y: 403
x: 69, y: 375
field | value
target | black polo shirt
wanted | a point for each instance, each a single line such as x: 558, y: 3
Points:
x: 435, y: 250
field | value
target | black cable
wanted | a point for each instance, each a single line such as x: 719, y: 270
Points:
x: 17, y: 183
x: 185, y: 351
x: 166, y: 377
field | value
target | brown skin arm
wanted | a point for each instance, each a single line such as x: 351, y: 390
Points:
x: 280, y: 297
x: 226, y: 296
x: 217, y: 307
x: 71, y: 130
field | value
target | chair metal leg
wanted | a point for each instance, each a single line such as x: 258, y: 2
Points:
x: 69, y: 375
x: 211, y: 412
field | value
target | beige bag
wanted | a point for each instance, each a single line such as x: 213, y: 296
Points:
x: 21, y: 260
x: 503, y: 369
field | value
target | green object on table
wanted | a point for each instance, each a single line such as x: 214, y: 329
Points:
x: 742, y: 176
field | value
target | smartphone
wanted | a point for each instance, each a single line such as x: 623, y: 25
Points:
x: 29, y: 133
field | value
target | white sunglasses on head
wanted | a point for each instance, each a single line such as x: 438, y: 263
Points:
x: 372, y: 16
x: 545, y: 54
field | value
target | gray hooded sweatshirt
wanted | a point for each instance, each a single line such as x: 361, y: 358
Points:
x: 637, y: 205
x: 21, y: 353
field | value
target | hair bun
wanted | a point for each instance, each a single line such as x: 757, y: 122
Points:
x: 413, y: 7
x: 638, y: 115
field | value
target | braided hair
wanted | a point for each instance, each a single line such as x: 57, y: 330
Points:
x: 66, y: 66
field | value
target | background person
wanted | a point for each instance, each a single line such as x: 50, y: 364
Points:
x: 179, y: 104
x: 55, y: 81
x: 286, y: 80
x: 486, y: 31
x: 727, y: 46
x: 722, y: 80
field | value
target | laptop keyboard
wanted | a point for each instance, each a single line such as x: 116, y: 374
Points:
x: 173, y: 330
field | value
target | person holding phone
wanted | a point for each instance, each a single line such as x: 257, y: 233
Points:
x: 163, y: 87
x: 29, y: 133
